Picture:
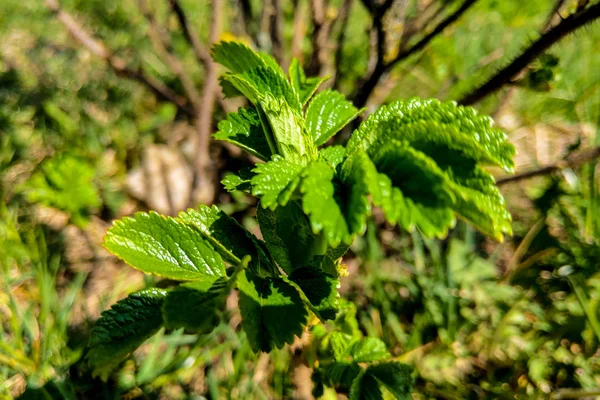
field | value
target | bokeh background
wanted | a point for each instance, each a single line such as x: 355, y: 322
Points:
x: 106, y: 108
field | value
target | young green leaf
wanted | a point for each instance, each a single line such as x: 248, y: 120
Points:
x: 304, y: 87
x: 272, y: 311
x: 430, y: 125
x: 369, y: 349
x: 123, y: 328
x: 274, y: 182
x: 327, y: 114
x: 195, y: 305
x: 239, y: 181
x: 244, y: 129
x: 163, y: 246
x: 237, y: 57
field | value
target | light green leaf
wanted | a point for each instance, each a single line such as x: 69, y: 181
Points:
x: 239, y: 181
x: 244, y: 129
x: 195, y: 305
x: 123, y: 328
x: 304, y: 87
x: 433, y: 126
x: 333, y: 155
x: 236, y: 57
x: 369, y: 349
x: 276, y: 181
x: 327, y: 113
x: 320, y: 289
x: 163, y: 246
x: 272, y: 311
x: 228, y: 237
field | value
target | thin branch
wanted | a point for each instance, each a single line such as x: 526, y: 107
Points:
x: 162, y: 44
x: 276, y: 32
x: 553, y: 35
x: 371, y: 82
x: 204, y: 188
x: 118, y: 65
x: 320, y: 36
x: 343, y: 17
x: 190, y: 33
x: 553, y: 13
x: 571, y: 161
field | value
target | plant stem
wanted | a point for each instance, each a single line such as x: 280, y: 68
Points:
x: 581, y: 296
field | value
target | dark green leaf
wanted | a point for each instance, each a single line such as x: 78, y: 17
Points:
x: 395, y: 376
x: 123, y: 328
x: 272, y: 311
x: 365, y: 387
x: 320, y: 288
x: 163, y: 246
x: 195, y: 305
x: 291, y: 248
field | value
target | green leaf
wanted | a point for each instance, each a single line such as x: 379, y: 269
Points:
x: 195, y: 305
x: 124, y: 328
x: 365, y: 387
x: 436, y: 126
x: 291, y: 248
x: 341, y: 374
x: 320, y: 289
x: 274, y: 182
x: 228, y: 237
x: 369, y: 349
x: 278, y: 103
x: 64, y: 182
x: 236, y: 57
x: 163, y: 246
x: 244, y: 129
x: 338, y: 215
x: 304, y: 87
x: 327, y: 114
x: 411, y: 189
x: 395, y: 377
x: 240, y: 182
x: 272, y: 311
x: 333, y: 155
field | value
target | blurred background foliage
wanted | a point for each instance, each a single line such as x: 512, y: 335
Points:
x: 81, y: 145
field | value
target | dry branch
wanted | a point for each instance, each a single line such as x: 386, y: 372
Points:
x: 119, y: 65
x: 537, y: 48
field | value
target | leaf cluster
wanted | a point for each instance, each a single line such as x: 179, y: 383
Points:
x: 421, y: 162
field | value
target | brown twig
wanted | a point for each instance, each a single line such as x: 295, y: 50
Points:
x: 276, y: 32
x: 203, y: 186
x: 118, y: 65
x: 571, y: 161
x: 320, y: 36
x: 190, y: 33
x: 162, y: 44
x: 343, y: 16
x: 553, y: 13
x: 537, y: 48
x: 367, y: 87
